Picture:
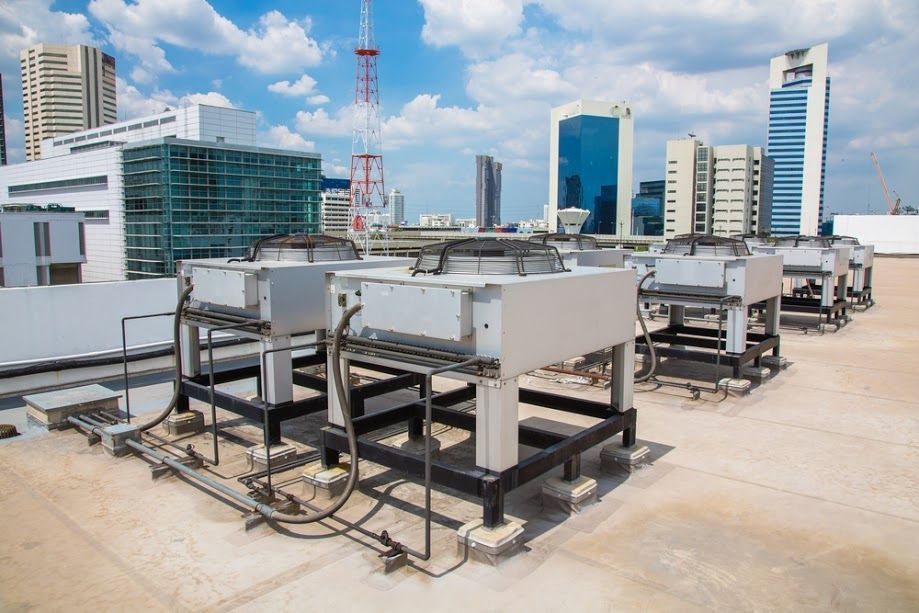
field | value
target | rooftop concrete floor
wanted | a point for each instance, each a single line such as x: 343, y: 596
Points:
x: 802, y: 495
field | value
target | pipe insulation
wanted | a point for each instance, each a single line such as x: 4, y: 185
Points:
x: 644, y: 328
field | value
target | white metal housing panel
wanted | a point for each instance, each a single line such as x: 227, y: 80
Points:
x: 232, y: 288
x: 699, y: 273
x: 422, y: 311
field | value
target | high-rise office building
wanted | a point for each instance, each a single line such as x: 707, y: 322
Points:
x: 487, y: 191
x: 722, y: 189
x: 65, y: 88
x: 335, y: 210
x: 590, y: 164
x: 648, y: 209
x: 799, y: 104
x: 397, y: 207
x: 2, y: 127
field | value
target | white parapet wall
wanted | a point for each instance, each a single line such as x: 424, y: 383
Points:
x: 888, y: 233
x: 60, y: 321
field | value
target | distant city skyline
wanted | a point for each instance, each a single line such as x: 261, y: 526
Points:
x: 485, y: 82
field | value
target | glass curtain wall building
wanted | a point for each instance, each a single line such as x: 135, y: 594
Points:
x: 188, y: 199
x: 648, y: 209
x: 799, y: 104
x: 591, y: 164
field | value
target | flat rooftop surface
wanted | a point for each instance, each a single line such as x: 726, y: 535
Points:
x: 803, y: 495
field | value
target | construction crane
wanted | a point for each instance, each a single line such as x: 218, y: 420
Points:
x: 893, y: 207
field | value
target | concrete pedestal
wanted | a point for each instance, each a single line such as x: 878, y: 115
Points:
x: 325, y: 483
x: 114, y: 438
x: 757, y: 373
x: 775, y: 361
x: 735, y: 387
x: 489, y: 545
x: 569, y: 496
x: 615, y: 457
x: 51, y: 409
x: 416, y: 445
x: 280, y: 453
x: 186, y: 422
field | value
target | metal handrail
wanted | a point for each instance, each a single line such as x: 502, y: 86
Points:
x: 124, y: 355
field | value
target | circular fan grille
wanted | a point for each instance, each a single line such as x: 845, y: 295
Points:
x: 488, y: 256
x: 573, y: 242
x: 820, y: 242
x: 705, y: 244
x: 303, y: 248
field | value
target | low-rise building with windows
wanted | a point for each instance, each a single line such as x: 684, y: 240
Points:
x: 41, y: 246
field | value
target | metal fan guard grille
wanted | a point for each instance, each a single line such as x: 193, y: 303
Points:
x: 303, y: 248
x: 574, y: 242
x: 705, y: 244
x: 488, y: 256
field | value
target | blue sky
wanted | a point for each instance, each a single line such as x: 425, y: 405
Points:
x: 460, y: 77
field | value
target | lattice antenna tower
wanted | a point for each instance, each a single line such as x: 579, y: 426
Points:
x: 367, y: 189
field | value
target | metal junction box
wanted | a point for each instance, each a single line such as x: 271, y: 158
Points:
x: 691, y: 272
x: 233, y: 288
x: 428, y: 311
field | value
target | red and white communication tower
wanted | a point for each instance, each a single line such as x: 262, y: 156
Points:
x: 367, y: 191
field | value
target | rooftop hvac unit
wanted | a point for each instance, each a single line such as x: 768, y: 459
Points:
x: 818, y: 272
x: 861, y: 269
x: 582, y: 250
x: 486, y: 311
x: 711, y: 272
x: 272, y: 295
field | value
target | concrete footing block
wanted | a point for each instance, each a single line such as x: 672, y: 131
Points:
x: 51, y: 409
x: 324, y: 483
x: 757, y: 373
x: 280, y: 453
x: 616, y: 458
x: 569, y: 496
x: 186, y: 422
x: 489, y: 545
x: 734, y: 387
x: 416, y: 445
x: 774, y: 361
x: 114, y: 439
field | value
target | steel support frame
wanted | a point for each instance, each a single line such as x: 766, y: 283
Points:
x: 491, y: 487
x: 198, y: 388
x: 858, y: 297
x: 702, y: 345
x: 813, y: 306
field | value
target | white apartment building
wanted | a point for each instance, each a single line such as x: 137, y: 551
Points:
x: 40, y: 247
x: 397, y: 207
x: 83, y: 170
x: 65, y: 88
x: 335, y: 209
x: 435, y: 220
x: 722, y: 190
x: 799, y: 106
x: 590, y: 166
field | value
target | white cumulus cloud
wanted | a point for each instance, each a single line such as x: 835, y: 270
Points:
x: 132, y: 103
x: 281, y: 137
x: 275, y: 45
x: 476, y: 26
x: 301, y: 87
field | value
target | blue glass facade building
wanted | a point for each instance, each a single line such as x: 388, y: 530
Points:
x: 648, y: 209
x: 588, y: 167
x: 188, y: 199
